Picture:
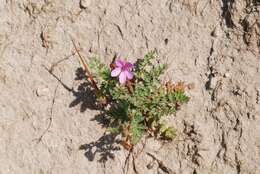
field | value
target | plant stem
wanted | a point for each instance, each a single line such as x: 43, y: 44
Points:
x: 130, y: 88
x: 88, y: 73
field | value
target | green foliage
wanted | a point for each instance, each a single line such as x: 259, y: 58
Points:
x: 138, y: 106
x: 137, y: 128
x: 99, y: 70
x: 167, y: 131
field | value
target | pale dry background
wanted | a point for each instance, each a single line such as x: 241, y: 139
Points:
x: 211, y: 43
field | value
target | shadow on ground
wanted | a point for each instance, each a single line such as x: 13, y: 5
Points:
x: 104, y: 146
x: 85, y: 97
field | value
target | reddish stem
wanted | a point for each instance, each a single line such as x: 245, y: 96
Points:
x: 88, y: 73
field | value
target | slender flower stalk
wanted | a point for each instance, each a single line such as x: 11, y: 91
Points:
x: 88, y: 73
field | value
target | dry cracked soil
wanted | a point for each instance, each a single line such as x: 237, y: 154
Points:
x: 49, y: 124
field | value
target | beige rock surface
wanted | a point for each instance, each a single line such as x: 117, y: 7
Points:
x: 49, y: 127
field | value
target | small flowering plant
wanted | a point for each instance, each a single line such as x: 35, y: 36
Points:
x: 134, y: 98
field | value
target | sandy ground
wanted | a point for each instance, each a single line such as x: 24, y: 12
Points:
x: 48, y: 125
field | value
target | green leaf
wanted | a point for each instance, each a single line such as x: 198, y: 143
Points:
x: 170, y: 133
x: 119, y: 112
x: 167, y: 132
x: 178, y: 97
x: 114, y: 130
x: 137, y: 129
x: 99, y: 70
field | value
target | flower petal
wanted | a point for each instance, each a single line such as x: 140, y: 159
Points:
x: 116, y: 72
x: 129, y: 75
x: 128, y: 66
x: 120, y: 63
x: 122, y: 77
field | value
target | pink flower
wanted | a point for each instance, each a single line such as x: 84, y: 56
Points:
x: 123, y: 70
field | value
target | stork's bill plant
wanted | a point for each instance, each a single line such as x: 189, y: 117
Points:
x: 135, y: 99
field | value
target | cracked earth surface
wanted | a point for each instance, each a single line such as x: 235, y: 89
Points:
x: 47, y: 126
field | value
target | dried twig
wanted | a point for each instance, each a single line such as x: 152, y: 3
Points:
x: 50, y: 118
x: 126, y: 165
x: 161, y: 164
x: 141, y: 151
x: 134, y: 165
x: 59, y: 79
x: 61, y: 60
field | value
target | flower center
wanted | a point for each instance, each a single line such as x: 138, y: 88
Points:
x: 125, y: 68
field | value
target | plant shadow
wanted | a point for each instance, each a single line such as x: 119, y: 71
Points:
x: 86, y: 98
x: 104, y: 146
x: 84, y: 95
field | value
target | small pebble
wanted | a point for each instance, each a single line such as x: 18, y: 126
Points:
x: 216, y: 32
x: 191, y: 86
x: 213, y: 83
x: 85, y: 3
x: 226, y: 75
x: 42, y: 91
